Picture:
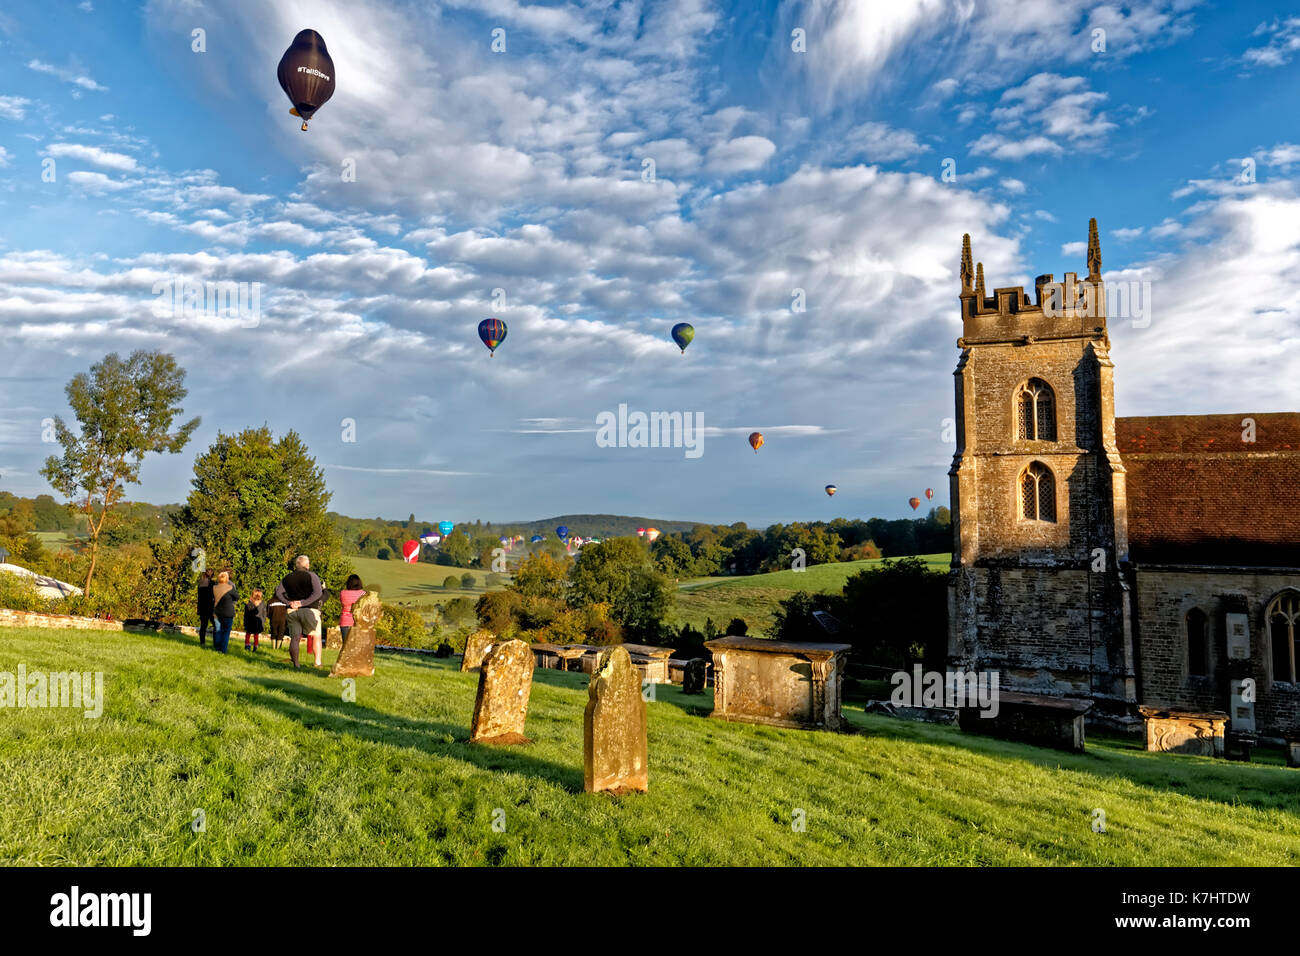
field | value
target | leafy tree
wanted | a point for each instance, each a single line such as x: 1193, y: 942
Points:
x: 736, y: 627
x: 897, y: 612
x: 673, y: 556
x: 497, y: 610
x: 794, y: 618
x: 124, y: 411
x: 458, y: 611
x: 541, y: 575
x: 467, y: 581
x: 257, y: 503
x: 451, y: 582
x: 456, y: 550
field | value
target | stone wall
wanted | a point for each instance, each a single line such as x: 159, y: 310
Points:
x: 10, y: 618
x: 1164, y: 596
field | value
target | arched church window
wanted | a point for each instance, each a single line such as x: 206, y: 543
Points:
x: 1036, y: 411
x: 1198, y: 643
x: 1283, y: 622
x: 1038, y: 493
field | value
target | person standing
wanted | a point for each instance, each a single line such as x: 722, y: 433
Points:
x: 302, y: 591
x: 255, y: 614
x: 279, y: 611
x: 205, y: 606
x: 225, y: 600
x: 351, y: 593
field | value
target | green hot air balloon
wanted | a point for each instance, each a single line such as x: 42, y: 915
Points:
x: 683, y: 334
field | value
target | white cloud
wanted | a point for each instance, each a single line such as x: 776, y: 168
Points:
x: 75, y: 76
x: 13, y: 107
x: 96, y: 182
x: 93, y: 155
x: 4, y: 157
x: 1283, y: 43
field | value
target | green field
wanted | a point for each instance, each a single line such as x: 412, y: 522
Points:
x: 287, y: 773
x: 420, y: 582
x: 757, y: 597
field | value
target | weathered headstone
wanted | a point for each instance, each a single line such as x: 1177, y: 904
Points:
x: 505, y: 680
x: 614, y: 746
x: 476, y: 648
x: 357, y: 658
x: 694, y: 676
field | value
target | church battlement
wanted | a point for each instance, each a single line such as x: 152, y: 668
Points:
x: 1071, y: 308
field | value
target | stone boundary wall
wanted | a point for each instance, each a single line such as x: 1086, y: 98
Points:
x: 72, y: 622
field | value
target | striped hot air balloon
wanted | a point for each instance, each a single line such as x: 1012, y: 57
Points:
x: 493, y: 333
x: 411, y: 552
x: 929, y: 493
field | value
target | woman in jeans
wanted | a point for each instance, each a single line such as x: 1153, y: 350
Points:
x: 225, y: 600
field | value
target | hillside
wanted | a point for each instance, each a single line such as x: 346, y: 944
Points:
x: 287, y: 773
x: 756, y: 597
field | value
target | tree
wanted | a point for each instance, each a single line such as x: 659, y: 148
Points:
x: 255, y: 504
x: 672, y: 556
x: 541, y: 575
x: 618, y: 572
x: 456, y: 549
x: 467, y: 580
x: 451, y: 582
x: 124, y: 410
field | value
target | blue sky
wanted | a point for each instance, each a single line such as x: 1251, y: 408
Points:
x: 524, y: 171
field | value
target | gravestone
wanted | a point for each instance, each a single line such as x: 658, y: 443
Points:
x: 476, y: 648
x: 357, y: 658
x: 1185, y: 732
x: 501, y: 707
x: 694, y: 676
x: 614, y: 746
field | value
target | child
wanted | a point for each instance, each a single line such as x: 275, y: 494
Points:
x: 279, y: 621
x: 255, y: 614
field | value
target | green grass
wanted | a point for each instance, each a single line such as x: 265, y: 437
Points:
x: 56, y: 540
x: 420, y: 583
x: 757, y: 597
x: 288, y: 773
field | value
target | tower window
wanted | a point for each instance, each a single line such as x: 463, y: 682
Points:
x: 1036, y: 411
x: 1283, y: 619
x: 1038, y: 493
x: 1198, y: 643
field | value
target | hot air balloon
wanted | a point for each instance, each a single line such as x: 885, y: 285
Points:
x: 306, y: 74
x: 756, y: 441
x: 651, y: 534
x: 411, y: 551
x: 434, y: 539
x: 640, y: 532
x: 929, y: 493
x: 562, y: 532
x: 683, y: 333
x: 445, y: 527
x: 536, y: 539
x: 914, y: 502
x: 493, y: 333
x: 831, y: 489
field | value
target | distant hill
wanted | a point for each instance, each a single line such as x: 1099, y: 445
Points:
x: 600, y: 526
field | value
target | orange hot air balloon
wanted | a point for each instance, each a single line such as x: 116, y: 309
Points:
x: 756, y: 441
x: 914, y: 502
x: 929, y: 493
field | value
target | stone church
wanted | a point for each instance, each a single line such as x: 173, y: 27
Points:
x: 1136, y: 561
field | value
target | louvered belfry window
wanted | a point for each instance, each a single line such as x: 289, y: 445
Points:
x: 1037, y: 493
x: 1036, y: 412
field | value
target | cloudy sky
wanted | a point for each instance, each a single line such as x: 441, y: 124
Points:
x: 618, y: 167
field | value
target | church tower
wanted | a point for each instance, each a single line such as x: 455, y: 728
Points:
x: 1037, y: 590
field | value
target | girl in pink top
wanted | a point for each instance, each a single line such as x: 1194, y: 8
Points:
x: 349, y: 596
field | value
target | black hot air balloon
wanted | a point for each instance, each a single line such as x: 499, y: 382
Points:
x: 307, y: 74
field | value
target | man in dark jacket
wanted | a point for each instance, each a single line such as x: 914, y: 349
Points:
x: 302, y: 591
x: 205, y: 606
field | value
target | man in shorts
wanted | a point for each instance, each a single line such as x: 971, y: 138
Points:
x: 301, y: 590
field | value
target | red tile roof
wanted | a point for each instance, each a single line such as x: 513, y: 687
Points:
x: 1199, y: 493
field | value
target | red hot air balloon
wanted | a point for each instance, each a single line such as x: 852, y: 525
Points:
x: 756, y: 441
x: 306, y: 74
x: 914, y: 502
x: 411, y: 552
x: 929, y: 493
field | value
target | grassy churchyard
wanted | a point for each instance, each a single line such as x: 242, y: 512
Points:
x: 286, y: 772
